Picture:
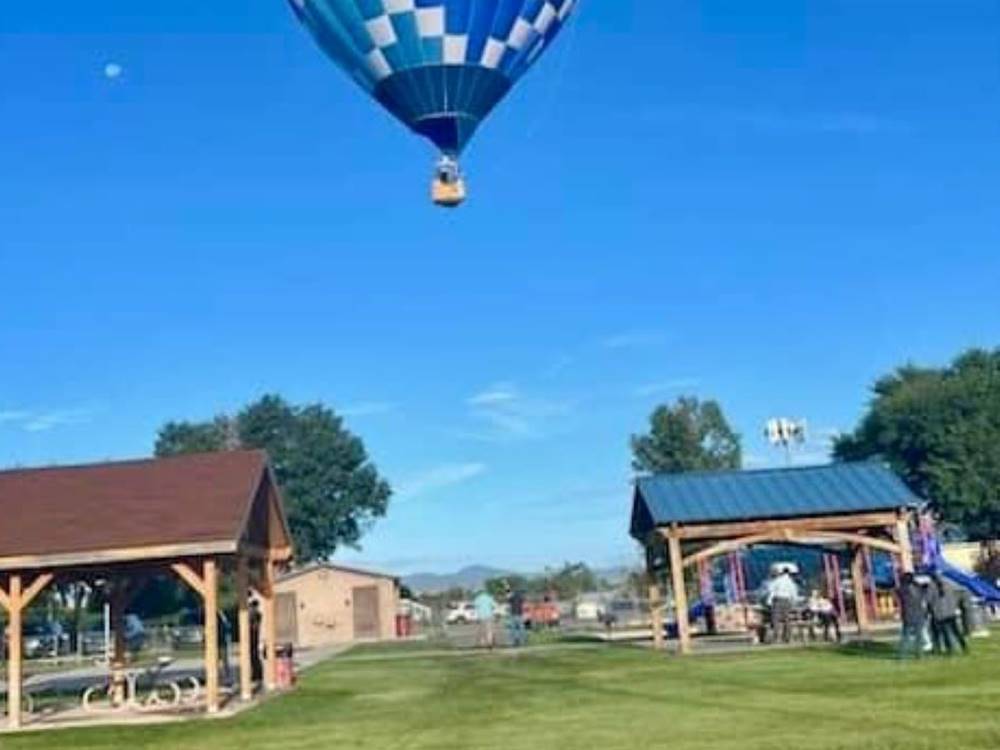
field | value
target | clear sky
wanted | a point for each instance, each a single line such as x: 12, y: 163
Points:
x: 768, y: 203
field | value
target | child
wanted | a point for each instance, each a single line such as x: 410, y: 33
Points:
x: 822, y: 611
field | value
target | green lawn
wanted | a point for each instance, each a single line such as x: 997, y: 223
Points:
x: 605, y: 698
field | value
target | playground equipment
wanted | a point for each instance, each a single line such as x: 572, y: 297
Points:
x: 932, y: 560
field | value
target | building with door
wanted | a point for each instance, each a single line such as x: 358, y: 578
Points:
x: 324, y: 604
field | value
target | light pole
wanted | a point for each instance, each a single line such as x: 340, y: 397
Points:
x: 786, y: 433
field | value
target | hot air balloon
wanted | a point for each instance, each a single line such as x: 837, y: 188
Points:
x: 439, y: 66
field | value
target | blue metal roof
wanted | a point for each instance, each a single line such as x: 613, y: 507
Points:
x: 707, y: 497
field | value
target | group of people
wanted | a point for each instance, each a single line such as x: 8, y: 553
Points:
x: 487, y: 615
x: 931, y: 611
x: 936, y: 615
x: 782, y: 598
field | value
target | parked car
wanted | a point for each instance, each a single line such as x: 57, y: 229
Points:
x: 42, y: 639
x: 591, y: 607
x: 461, y: 613
x: 624, y: 613
x: 189, y: 630
x: 92, y: 642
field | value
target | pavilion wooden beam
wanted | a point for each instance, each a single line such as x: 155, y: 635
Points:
x: 730, y: 530
x: 15, y: 599
x: 15, y: 668
x: 270, y: 627
x: 256, y: 552
x: 791, y: 536
x: 656, y: 614
x: 858, y: 583
x: 206, y: 585
x: 680, y: 594
x: 210, y: 593
x: 36, y: 587
x: 187, y: 574
x: 862, y: 540
x: 243, y: 617
x: 730, y: 545
x: 117, y: 556
x: 902, y: 535
x: 119, y: 602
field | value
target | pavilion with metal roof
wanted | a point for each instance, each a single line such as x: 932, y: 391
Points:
x: 701, y: 515
x: 115, y: 525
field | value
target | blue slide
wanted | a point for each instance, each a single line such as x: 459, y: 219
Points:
x: 982, y: 588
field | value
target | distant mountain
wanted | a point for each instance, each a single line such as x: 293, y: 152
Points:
x: 471, y: 577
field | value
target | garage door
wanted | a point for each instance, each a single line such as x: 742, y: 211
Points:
x: 287, y: 620
x: 366, y: 621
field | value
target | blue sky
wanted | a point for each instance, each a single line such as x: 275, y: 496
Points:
x: 770, y: 204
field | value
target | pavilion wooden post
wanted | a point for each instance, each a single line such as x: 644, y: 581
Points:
x: 270, y: 627
x: 656, y: 612
x: 680, y: 593
x: 858, y: 582
x: 118, y: 602
x: 15, y: 600
x: 211, y: 597
x: 902, y: 535
x: 206, y: 586
x: 14, y: 665
x: 243, y: 604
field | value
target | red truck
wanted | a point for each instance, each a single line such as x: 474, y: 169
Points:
x: 542, y: 613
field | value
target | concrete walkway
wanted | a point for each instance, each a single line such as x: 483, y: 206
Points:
x: 75, y: 681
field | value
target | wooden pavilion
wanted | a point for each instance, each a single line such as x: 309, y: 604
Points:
x: 114, y: 525
x: 702, y: 515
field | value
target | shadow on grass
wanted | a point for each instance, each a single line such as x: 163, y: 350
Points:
x: 876, y: 650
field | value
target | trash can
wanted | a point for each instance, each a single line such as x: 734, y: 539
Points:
x: 285, y: 666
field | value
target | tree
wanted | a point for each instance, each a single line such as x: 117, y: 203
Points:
x: 501, y: 586
x: 690, y: 435
x: 332, y: 491
x: 572, y: 580
x: 939, y: 429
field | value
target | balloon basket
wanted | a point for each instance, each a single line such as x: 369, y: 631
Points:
x: 448, y: 194
x: 448, y: 187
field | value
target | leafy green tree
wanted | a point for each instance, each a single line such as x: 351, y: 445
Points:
x: 690, y: 435
x: 500, y: 586
x: 198, y: 437
x: 333, y: 492
x: 572, y: 580
x: 567, y: 583
x: 939, y: 429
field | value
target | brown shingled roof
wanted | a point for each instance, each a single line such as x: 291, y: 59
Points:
x: 201, y: 500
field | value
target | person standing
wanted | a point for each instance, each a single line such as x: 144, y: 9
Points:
x: 223, y: 637
x: 824, y: 613
x: 944, y: 615
x: 485, y: 612
x: 782, y: 595
x: 967, y: 608
x: 515, y: 623
x: 256, y: 663
x: 913, y: 611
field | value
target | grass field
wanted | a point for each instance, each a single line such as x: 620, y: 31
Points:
x: 606, y: 698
